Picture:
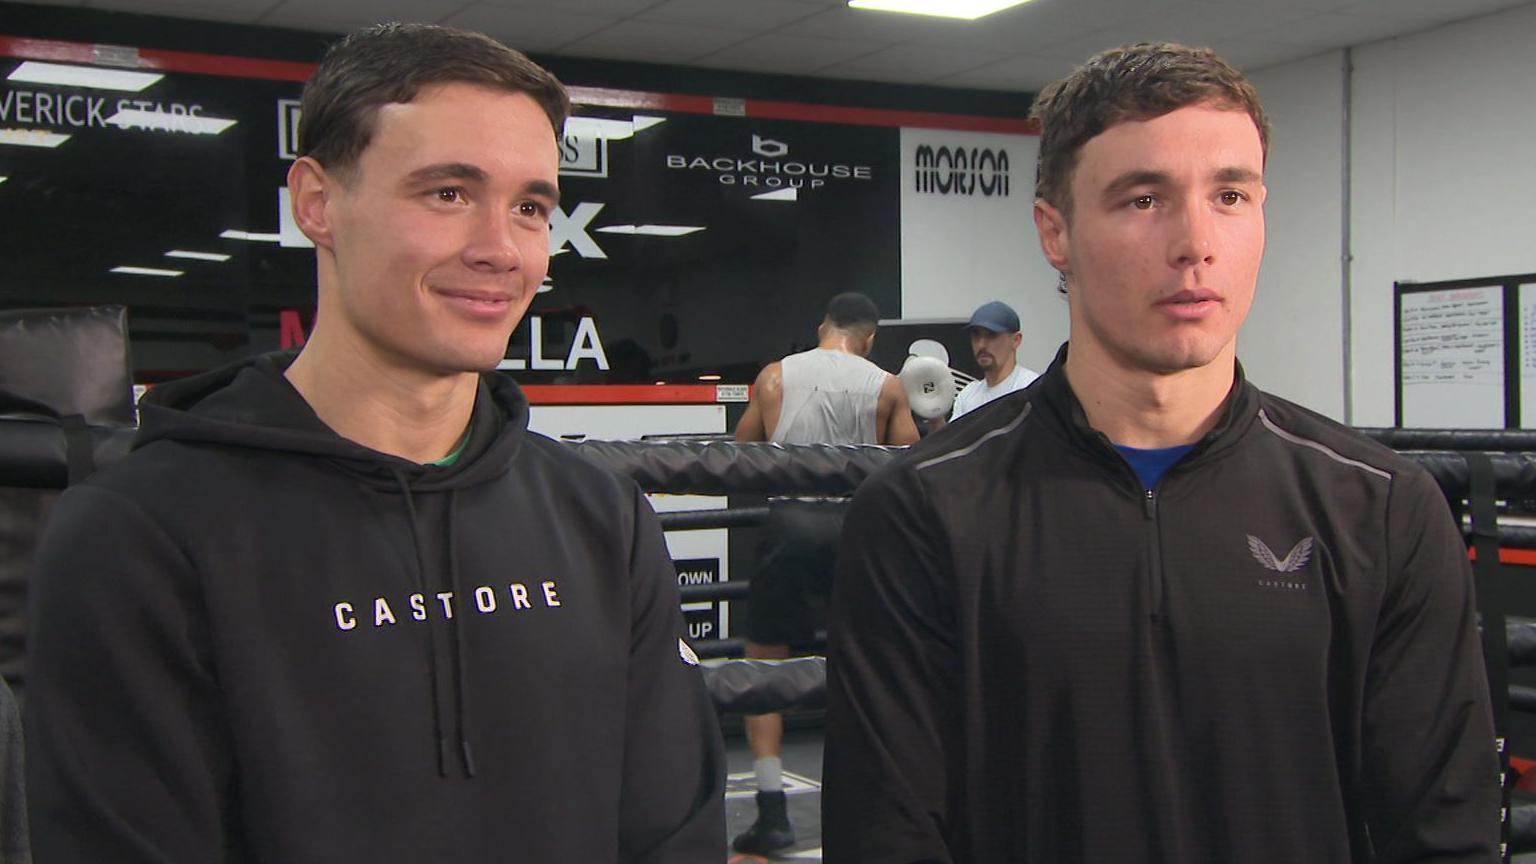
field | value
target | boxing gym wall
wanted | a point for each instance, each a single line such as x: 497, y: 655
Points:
x: 700, y: 232
x: 706, y: 218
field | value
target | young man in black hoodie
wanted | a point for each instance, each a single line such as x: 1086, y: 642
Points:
x: 348, y: 608
x: 1143, y: 611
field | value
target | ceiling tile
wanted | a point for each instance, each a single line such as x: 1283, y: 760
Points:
x: 1207, y: 24
x: 1434, y: 10
x: 1079, y: 50
x: 653, y: 41
x: 1251, y: 54
x: 1337, y: 30
x: 789, y: 55
x: 758, y: 15
x: 1263, y: 7
x: 602, y: 8
x: 1027, y: 74
x: 1037, y: 27
x: 1018, y: 48
x: 919, y: 63
x: 867, y: 25
x: 236, y: 11
x: 341, y: 16
x: 545, y: 31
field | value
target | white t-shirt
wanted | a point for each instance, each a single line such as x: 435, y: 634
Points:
x: 977, y: 393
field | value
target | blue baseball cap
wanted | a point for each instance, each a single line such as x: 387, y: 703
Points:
x: 996, y: 316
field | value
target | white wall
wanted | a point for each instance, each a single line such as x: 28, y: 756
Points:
x: 1444, y: 133
x: 959, y: 251
x: 1293, y: 343
x: 1442, y: 185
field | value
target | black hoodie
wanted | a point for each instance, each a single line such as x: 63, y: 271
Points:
x: 1270, y: 658
x: 254, y: 640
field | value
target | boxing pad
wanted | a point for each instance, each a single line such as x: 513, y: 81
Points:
x: 930, y: 386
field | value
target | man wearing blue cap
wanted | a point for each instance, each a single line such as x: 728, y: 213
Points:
x: 995, y: 338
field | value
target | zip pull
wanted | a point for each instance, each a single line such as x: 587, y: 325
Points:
x: 1151, y: 504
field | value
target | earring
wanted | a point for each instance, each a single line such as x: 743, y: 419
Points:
x: 1061, y: 282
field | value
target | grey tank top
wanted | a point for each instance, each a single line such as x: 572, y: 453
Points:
x: 830, y: 397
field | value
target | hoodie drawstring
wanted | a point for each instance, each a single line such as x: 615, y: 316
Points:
x: 458, y: 638
x: 442, y: 745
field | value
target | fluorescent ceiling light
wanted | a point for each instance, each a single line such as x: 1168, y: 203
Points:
x: 232, y: 234
x: 160, y: 121
x: 33, y: 72
x: 197, y: 256
x: 3, y: 179
x: 709, y: 377
x: 31, y: 138
x: 145, y: 271
x: 969, y: 10
x: 651, y: 230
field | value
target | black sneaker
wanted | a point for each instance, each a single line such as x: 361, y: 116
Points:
x: 771, y: 831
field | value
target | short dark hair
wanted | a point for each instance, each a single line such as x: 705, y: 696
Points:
x: 852, y: 311
x: 1138, y: 81
x: 390, y: 63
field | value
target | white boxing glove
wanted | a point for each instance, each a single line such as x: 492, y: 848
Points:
x: 930, y: 386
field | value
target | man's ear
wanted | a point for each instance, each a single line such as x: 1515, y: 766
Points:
x: 1051, y: 224
x: 310, y: 188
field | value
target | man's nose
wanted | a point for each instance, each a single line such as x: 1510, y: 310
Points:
x: 492, y: 246
x: 1193, y: 240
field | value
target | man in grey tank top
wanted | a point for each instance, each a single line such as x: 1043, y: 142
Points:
x: 831, y: 394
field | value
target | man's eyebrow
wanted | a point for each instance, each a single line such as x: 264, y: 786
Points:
x: 545, y: 188
x: 1238, y: 175
x: 447, y: 171
x: 1131, y: 179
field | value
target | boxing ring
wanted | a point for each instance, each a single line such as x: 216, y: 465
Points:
x: 66, y: 411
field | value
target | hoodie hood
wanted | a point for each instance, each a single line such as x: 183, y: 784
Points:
x: 251, y: 404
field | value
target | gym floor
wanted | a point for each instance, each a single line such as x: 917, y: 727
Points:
x: 802, y: 787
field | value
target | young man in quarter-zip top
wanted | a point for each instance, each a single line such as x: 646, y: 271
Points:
x: 345, y: 607
x: 1144, y: 611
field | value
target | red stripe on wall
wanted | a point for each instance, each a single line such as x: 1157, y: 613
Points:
x: 605, y: 97
x: 160, y: 60
x: 1523, y: 557
x: 681, y: 103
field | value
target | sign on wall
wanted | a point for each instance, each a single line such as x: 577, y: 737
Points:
x: 686, y: 243
x: 1466, y: 351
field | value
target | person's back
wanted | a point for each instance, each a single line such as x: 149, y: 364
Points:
x: 830, y: 394
x: 830, y: 397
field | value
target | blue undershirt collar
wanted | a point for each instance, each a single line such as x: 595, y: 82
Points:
x: 1151, y: 465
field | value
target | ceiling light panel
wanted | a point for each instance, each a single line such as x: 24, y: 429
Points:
x: 968, y: 10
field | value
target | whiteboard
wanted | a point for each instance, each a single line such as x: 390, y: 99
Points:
x: 1452, y: 356
x: 1528, y: 356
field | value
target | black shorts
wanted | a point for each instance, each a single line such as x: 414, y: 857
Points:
x: 787, y: 600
